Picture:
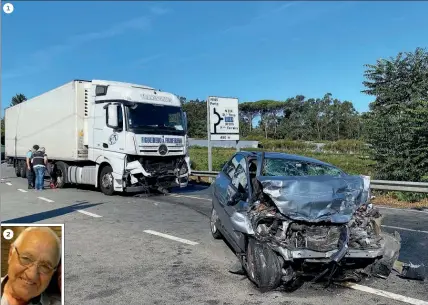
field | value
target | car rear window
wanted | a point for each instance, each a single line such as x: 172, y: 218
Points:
x: 285, y: 167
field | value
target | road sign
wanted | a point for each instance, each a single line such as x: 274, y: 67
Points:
x: 223, y: 118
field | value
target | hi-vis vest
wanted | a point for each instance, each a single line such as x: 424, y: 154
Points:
x: 38, y: 158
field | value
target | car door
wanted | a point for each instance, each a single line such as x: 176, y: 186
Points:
x: 233, y: 180
x: 220, y: 188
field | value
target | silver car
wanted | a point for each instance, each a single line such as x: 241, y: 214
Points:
x: 289, y: 218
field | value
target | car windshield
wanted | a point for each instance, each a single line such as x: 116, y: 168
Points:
x: 156, y: 119
x: 286, y: 167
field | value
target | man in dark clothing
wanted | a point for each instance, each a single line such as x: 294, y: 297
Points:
x: 31, y: 177
x: 39, y: 165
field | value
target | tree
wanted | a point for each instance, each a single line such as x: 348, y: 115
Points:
x: 18, y: 99
x: 397, y: 125
x: 2, y: 131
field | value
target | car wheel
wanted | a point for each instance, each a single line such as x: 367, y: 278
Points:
x: 264, y: 267
x: 214, y: 224
x: 106, y: 180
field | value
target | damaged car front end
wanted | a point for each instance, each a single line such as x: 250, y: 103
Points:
x: 304, y: 219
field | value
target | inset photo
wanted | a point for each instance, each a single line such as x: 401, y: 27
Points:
x: 32, y: 259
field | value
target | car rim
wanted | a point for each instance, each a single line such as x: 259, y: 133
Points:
x: 214, y: 218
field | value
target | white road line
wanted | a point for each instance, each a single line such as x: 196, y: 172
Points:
x: 8, y: 183
x: 405, y: 229
x: 45, y: 199
x: 184, y: 241
x: 22, y: 191
x: 403, y: 210
x: 385, y: 294
x: 89, y: 213
x: 194, y: 197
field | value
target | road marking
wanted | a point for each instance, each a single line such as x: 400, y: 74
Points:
x: 89, y: 213
x: 194, y: 197
x: 385, y: 294
x: 403, y: 210
x: 8, y: 183
x: 184, y: 241
x: 45, y: 199
x: 22, y: 191
x: 405, y: 229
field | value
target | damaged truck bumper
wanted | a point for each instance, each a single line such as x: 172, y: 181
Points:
x: 137, y: 178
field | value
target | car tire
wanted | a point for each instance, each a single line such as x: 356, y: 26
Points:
x: 264, y: 267
x: 106, y: 174
x: 214, y: 221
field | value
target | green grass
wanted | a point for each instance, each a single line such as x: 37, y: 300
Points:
x: 352, y: 164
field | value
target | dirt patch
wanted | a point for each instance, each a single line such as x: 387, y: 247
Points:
x: 390, y: 201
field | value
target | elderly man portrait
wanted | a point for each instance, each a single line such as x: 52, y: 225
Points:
x: 33, y: 259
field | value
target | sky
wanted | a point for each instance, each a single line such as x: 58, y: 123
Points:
x: 251, y: 50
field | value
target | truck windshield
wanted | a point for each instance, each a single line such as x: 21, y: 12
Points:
x: 156, y: 119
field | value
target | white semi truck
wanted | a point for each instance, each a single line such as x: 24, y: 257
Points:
x: 118, y: 137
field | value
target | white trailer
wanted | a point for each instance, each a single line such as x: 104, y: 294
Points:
x: 117, y: 136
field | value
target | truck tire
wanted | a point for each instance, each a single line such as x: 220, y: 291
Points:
x: 23, y: 169
x: 17, y: 169
x: 106, y: 180
x: 61, y: 170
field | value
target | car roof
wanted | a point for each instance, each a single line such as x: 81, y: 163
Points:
x: 278, y: 155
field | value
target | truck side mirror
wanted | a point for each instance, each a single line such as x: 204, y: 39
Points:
x: 185, y: 120
x: 112, y: 116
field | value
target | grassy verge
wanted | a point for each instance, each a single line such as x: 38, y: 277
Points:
x: 352, y: 164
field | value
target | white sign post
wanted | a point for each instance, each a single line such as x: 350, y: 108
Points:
x: 223, y: 122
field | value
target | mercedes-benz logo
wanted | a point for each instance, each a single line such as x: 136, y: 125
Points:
x: 163, y: 150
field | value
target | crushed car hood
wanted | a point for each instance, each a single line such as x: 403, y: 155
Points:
x: 317, y: 198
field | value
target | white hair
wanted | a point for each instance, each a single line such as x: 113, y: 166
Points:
x: 48, y: 230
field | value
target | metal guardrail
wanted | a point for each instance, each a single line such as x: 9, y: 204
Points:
x: 383, y: 185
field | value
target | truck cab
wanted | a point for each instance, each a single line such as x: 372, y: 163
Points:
x: 141, y: 133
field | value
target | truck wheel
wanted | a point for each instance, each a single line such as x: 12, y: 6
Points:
x: 23, y: 169
x: 60, y: 170
x: 18, y: 169
x: 214, y: 223
x: 106, y: 180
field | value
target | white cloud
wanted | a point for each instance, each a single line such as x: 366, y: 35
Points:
x: 41, y: 59
x: 158, y: 10
x: 145, y: 60
x: 268, y: 14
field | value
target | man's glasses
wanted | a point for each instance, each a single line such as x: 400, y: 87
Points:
x: 27, y: 262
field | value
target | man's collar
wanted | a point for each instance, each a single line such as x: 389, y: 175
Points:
x: 39, y: 300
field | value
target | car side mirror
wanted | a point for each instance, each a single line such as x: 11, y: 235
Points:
x: 112, y: 116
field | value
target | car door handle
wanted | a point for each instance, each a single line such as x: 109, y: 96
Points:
x: 105, y: 145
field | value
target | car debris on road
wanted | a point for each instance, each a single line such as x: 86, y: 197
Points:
x: 290, y: 218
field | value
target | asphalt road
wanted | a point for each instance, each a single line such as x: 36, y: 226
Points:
x: 110, y: 259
